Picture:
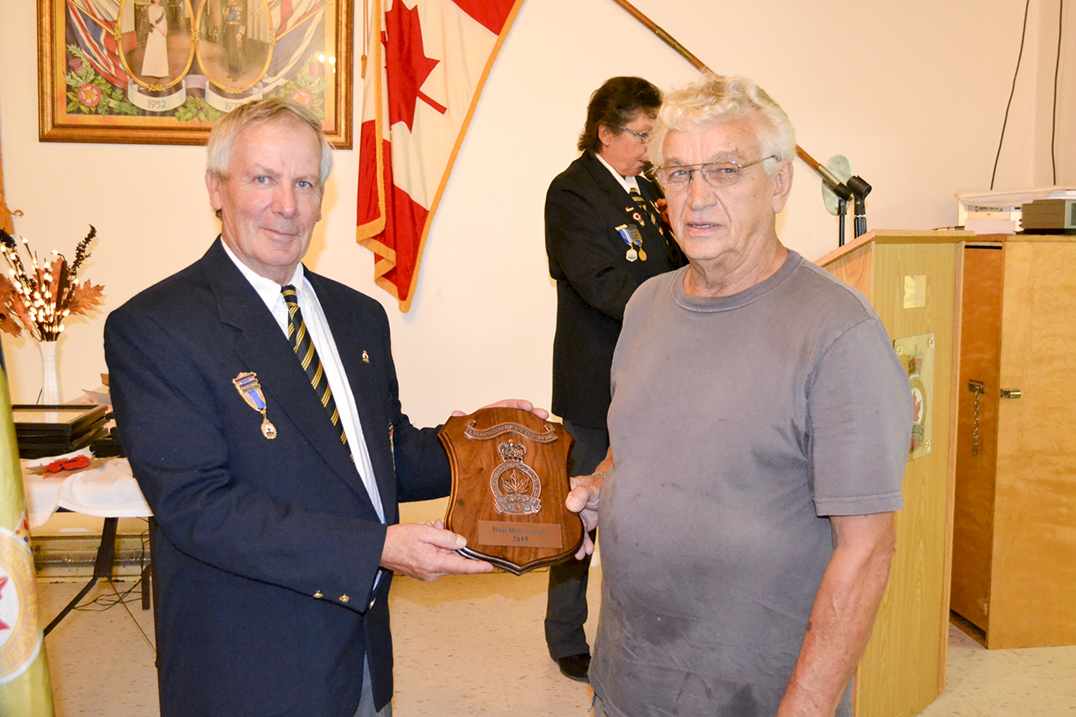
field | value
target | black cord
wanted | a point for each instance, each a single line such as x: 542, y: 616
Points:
x: 107, y: 602
x: 135, y: 621
x: 1019, y: 57
x: 1057, y: 69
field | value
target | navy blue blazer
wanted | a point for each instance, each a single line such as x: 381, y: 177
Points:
x: 267, y: 550
x: 588, y: 259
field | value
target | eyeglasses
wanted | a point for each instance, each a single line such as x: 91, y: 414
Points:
x: 643, y: 137
x: 676, y: 178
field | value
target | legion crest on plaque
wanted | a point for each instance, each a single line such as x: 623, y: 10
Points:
x: 509, y: 483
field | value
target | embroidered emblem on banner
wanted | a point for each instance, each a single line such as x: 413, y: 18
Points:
x: 20, y: 622
x: 248, y: 387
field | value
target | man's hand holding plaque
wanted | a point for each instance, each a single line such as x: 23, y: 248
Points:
x: 584, y: 499
x: 509, y: 486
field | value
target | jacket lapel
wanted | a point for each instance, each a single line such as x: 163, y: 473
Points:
x: 354, y: 337
x: 609, y: 185
x: 262, y: 346
x: 654, y: 240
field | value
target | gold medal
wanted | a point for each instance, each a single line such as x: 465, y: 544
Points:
x: 268, y: 429
x: 631, y: 254
x: 642, y: 254
x: 248, y: 387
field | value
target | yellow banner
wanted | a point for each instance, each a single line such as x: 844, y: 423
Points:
x: 24, y: 669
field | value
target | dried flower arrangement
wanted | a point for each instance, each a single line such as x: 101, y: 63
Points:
x: 42, y: 298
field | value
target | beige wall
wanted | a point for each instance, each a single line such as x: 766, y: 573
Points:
x: 912, y: 92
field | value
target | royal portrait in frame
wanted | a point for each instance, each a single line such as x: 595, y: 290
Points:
x: 163, y: 71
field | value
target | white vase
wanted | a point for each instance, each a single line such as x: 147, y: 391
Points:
x: 50, y: 373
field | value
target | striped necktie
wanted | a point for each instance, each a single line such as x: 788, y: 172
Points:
x: 308, y: 357
x: 646, y: 209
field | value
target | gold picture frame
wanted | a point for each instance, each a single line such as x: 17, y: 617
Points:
x: 163, y: 71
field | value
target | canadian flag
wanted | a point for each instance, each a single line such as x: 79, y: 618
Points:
x: 427, y: 65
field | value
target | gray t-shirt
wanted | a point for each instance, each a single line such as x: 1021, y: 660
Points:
x: 737, y: 425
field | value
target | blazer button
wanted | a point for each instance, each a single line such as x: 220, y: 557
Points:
x: 344, y: 598
x: 318, y: 595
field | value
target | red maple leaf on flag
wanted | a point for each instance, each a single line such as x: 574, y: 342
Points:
x: 395, y: 208
x: 3, y: 582
x: 402, y: 39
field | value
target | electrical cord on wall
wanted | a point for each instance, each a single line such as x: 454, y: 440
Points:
x: 1012, y: 92
x: 1057, y: 69
x: 1019, y: 57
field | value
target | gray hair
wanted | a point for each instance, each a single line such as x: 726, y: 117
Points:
x: 252, y: 114
x: 715, y: 99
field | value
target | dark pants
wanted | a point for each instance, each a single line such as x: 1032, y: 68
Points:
x: 566, y: 609
x: 366, y: 702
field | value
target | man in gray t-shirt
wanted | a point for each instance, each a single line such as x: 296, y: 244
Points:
x: 760, y: 426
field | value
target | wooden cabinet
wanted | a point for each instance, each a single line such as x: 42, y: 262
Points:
x: 1014, y: 522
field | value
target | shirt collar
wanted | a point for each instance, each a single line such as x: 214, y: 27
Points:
x: 267, y: 289
x: 629, y: 183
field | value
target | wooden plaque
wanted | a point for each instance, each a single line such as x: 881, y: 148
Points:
x: 509, y: 483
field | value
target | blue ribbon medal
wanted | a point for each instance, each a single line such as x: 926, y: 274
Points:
x: 251, y: 391
x: 634, y: 239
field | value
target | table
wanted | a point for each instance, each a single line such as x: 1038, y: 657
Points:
x: 109, y: 491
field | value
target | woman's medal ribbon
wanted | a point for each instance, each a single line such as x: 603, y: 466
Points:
x: 634, y: 239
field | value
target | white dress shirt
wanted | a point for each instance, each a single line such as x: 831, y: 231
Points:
x: 318, y: 328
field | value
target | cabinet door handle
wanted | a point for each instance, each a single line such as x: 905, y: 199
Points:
x: 1011, y: 393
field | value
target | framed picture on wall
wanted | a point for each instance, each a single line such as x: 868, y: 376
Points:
x: 163, y: 71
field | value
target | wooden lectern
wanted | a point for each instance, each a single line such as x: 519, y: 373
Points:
x: 911, y: 279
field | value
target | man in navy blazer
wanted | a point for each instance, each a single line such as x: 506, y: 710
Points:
x: 602, y: 243
x: 278, y: 538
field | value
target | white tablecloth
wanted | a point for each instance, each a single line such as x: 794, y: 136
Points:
x: 109, y: 491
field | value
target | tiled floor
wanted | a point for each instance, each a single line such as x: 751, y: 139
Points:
x: 473, y: 647
x: 101, y: 663
x: 465, y: 647
x: 1032, y: 682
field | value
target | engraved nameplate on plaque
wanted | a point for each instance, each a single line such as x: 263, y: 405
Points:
x: 509, y: 483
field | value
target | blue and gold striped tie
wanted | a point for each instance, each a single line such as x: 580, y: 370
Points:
x: 308, y: 357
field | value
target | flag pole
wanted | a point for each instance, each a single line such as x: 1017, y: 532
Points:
x: 827, y: 176
x: 666, y: 37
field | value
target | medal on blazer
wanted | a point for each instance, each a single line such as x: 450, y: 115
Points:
x: 634, y: 239
x: 248, y: 387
